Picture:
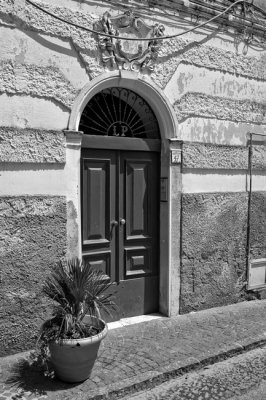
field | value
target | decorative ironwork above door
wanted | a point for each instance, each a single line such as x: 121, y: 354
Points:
x: 128, y: 54
x: 119, y: 112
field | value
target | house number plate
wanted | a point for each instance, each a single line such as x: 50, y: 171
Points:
x: 175, y: 156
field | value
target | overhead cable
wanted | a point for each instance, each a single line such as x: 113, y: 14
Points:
x: 131, y: 38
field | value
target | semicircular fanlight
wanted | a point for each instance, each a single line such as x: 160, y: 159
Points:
x: 119, y: 112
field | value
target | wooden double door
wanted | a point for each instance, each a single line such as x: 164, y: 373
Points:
x: 120, y: 224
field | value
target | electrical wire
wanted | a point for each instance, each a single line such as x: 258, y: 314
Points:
x: 142, y: 39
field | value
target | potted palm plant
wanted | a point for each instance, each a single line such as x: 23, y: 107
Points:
x: 73, y: 333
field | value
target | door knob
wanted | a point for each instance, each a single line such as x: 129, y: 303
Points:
x: 122, y: 221
x: 114, y: 223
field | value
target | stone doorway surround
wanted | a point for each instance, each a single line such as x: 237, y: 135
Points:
x: 170, y: 174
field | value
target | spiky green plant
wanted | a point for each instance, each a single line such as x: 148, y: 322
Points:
x: 76, y: 290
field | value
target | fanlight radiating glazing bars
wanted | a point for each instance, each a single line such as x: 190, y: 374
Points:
x: 119, y: 112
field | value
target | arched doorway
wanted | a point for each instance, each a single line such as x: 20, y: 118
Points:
x: 120, y: 170
x: 168, y: 215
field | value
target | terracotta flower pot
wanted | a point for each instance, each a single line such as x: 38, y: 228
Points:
x: 73, y: 359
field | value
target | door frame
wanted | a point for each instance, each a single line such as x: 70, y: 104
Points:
x: 170, y: 174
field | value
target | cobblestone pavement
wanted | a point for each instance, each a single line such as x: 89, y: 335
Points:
x: 240, y: 378
x: 140, y: 356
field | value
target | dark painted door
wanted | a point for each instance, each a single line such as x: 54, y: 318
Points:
x: 120, y: 224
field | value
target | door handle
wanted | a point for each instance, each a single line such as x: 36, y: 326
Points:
x: 113, y: 224
x: 122, y: 221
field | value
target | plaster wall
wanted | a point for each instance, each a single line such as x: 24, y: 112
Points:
x: 33, y: 238
x: 39, y: 216
x: 192, y: 78
x: 20, y: 111
x: 34, y: 180
x: 203, y: 182
x: 211, y: 156
x: 215, y: 191
x: 28, y: 48
x: 211, y: 130
x: 214, y: 269
x: 213, y: 168
x: 216, y: 91
x: 45, y: 163
x: 31, y: 146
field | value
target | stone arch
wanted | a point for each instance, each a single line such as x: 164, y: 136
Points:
x: 129, y: 80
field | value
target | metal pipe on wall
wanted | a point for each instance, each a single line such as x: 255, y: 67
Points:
x: 250, y: 196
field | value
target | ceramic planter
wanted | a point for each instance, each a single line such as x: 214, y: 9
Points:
x: 73, y: 359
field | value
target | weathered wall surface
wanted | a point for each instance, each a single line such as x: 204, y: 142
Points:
x: 258, y: 225
x: 31, y: 146
x: 213, y: 249
x: 33, y: 239
x: 215, y: 222
x: 42, y: 71
x: 210, y: 156
x: 214, y: 239
x: 217, y: 93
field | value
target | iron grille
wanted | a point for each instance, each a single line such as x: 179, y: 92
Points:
x: 119, y: 112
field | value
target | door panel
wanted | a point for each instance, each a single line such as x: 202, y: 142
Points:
x: 100, y: 261
x: 120, y: 224
x: 96, y: 182
x: 98, y: 209
x: 138, y: 296
x: 141, y: 211
x: 137, y: 261
x: 139, y: 208
x: 136, y: 176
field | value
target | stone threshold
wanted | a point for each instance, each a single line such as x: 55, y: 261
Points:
x: 135, y: 320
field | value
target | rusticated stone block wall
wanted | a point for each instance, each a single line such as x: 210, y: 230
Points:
x: 33, y: 239
x: 31, y: 146
x: 217, y: 157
